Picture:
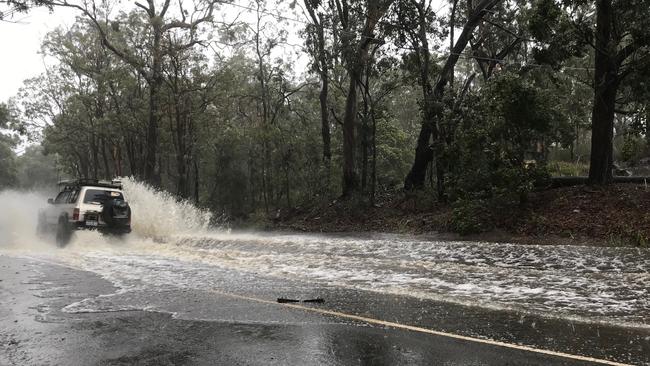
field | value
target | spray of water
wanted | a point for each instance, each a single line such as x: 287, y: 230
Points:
x: 18, y: 218
x: 158, y: 214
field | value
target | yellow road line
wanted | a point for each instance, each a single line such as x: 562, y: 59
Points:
x: 424, y: 330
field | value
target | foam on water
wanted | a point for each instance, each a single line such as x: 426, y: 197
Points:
x: 588, y: 284
x: 592, y: 284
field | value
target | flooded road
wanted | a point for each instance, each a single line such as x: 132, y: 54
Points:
x: 583, y: 284
x: 579, y: 300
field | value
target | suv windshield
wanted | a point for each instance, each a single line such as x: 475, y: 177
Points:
x: 99, y: 196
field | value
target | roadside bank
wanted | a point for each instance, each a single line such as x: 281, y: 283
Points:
x: 616, y: 215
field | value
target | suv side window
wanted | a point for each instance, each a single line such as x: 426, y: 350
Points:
x: 62, y: 197
x: 73, y: 196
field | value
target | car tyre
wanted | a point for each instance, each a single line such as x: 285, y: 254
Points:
x: 63, y: 233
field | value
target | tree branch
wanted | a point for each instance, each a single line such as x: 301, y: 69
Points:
x: 146, y: 9
x: 104, y: 38
x: 193, y: 24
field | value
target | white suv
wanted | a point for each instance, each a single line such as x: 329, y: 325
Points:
x: 86, y: 204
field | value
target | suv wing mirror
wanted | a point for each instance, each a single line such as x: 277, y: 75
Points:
x: 50, y: 201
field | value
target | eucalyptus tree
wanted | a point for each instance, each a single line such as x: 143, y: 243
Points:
x: 190, y: 84
x: 90, y: 94
x: 147, y: 58
x: 415, y: 24
x: 502, y: 38
x: 363, y: 18
x: 320, y: 19
x: 10, y: 8
x: 423, y: 153
x: 618, y: 33
x: 7, y: 155
x: 79, y: 49
x: 622, y: 46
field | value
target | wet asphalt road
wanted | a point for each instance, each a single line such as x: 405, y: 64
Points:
x: 235, y: 325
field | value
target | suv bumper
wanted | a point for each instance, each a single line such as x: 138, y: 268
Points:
x: 103, y: 228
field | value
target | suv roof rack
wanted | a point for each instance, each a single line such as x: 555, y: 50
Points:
x: 70, y: 184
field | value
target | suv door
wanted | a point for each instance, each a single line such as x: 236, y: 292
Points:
x: 63, y: 203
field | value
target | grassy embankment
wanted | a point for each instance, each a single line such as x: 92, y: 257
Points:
x: 615, y: 215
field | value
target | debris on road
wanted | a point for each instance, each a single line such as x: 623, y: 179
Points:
x: 316, y: 300
x: 282, y: 300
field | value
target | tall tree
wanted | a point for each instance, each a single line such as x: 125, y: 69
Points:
x: 621, y: 45
x: 356, y: 54
x: 316, y: 31
x: 7, y: 155
x: 415, y: 24
x: 617, y: 31
x: 150, y: 66
x: 423, y: 151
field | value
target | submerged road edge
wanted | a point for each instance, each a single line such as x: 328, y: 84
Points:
x: 423, y: 330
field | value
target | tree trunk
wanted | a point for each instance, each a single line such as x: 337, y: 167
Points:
x: 151, y: 171
x: 350, y: 179
x: 182, y: 168
x: 324, y: 77
x: 452, y: 22
x: 324, y: 113
x: 423, y: 153
x: 356, y: 60
x: 95, y: 153
x: 107, y: 166
x: 196, y: 181
x: 117, y: 160
x: 605, y: 88
x: 647, y: 123
x: 364, y: 145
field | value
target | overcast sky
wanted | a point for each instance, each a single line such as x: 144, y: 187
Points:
x: 20, y: 43
x: 21, y: 38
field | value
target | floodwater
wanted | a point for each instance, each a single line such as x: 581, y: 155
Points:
x: 173, y: 247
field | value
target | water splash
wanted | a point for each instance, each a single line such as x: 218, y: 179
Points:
x: 159, y: 214
x: 18, y: 218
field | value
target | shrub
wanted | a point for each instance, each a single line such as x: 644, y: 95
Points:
x: 471, y: 217
x: 632, y: 150
x: 563, y: 168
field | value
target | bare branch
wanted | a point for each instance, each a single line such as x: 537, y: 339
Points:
x: 193, y: 24
x: 146, y: 9
x: 166, y: 6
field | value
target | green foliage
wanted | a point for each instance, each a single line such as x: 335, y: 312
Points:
x: 471, y: 217
x: 4, y: 115
x: 7, y: 165
x: 496, y: 141
x: 564, y: 168
x: 7, y: 155
x: 560, y: 34
x: 393, y: 160
x: 36, y: 170
x: 633, y: 149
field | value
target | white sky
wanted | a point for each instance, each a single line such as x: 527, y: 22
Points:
x: 20, y: 44
x: 21, y: 38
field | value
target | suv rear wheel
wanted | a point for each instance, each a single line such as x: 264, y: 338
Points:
x: 63, y: 233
